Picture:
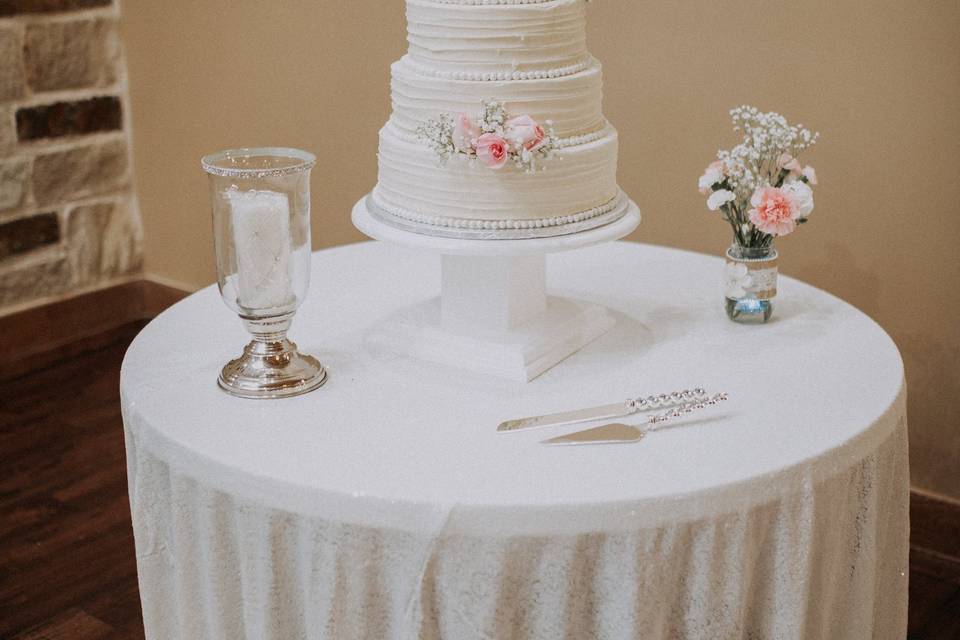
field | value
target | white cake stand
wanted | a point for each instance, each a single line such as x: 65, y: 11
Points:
x: 494, y: 315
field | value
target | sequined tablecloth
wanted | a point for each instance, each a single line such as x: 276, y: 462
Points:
x: 385, y: 505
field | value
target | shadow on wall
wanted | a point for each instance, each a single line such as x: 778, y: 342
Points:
x: 933, y: 370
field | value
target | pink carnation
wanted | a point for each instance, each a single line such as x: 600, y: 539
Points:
x: 774, y: 211
x: 788, y: 162
x: 492, y: 150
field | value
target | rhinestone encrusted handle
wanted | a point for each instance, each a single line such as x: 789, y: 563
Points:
x: 655, y: 420
x: 664, y: 400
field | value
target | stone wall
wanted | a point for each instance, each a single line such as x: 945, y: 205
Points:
x: 68, y: 213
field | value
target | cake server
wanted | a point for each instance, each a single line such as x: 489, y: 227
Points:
x: 605, y: 411
x: 617, y: 433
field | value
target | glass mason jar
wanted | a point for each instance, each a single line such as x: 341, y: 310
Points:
x: 260, y: 199
x: 750, y: 283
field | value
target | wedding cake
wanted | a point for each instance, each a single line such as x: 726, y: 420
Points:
x: 497, y: 125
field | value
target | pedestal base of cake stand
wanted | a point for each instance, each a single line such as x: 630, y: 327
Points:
x: 493, y: 315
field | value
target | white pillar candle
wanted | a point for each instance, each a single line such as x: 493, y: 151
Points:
x: 261, y: 235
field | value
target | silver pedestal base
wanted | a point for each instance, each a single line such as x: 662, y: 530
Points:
x: 271, y: 369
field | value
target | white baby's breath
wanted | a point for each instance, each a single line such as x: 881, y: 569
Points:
x: 765, y: 157
x: 438, y: 135
x: 766, y: 136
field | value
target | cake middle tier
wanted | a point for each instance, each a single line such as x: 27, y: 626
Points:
x: 414, y: 184
x: 573, y: 103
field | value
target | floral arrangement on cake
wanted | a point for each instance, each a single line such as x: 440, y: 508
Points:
x: 759, y: 187
x: 492, y: 137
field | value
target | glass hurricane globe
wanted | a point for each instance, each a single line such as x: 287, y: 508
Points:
x: 260, y: 200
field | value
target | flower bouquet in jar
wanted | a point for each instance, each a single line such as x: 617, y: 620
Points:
x: 763, y: 191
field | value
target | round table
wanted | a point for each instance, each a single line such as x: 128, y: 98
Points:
x: 386, y: 505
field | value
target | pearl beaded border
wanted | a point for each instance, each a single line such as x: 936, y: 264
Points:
x: 499, y: 76
x: 585, y: 138
x: 495, y: 225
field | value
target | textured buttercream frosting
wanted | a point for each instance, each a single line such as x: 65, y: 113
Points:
x: 573, y: 103
x: 531, y: 56
x: 411, y: 179
x: 467, y: 38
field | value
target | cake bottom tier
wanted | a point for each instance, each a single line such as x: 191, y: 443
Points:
x: 580, y: 182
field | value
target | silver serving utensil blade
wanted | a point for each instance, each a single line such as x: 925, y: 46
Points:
x: 614, y: 433
x: 617, y: 433
x: 602, y: 412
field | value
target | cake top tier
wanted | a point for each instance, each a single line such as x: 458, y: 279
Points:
x: 477, y: 37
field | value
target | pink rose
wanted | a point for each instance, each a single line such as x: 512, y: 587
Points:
x: 465, y: 133
x: 810, y: 175
x: 492, y: 150
x: 774, y: 211
x: 788, y: 162
x: 524, y: 132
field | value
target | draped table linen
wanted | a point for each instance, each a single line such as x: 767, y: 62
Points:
x: 385, y: 505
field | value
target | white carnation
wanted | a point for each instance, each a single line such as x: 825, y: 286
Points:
x: 802, y: 195
x: 719, y: 198
x: 709, y: 178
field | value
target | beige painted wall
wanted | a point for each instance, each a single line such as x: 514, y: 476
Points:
x: 880, y: 80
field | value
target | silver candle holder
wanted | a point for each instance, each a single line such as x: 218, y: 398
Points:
x: 261, y: 228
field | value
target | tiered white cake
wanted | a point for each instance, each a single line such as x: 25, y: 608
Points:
x: 531, y: 57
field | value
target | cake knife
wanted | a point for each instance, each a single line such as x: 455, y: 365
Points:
x: 617, y: 433
x: 605, y: 411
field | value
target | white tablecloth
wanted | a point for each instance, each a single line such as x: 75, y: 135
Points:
x: 384, y: 505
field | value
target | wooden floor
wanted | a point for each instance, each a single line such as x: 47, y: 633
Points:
x: 67, y: 568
